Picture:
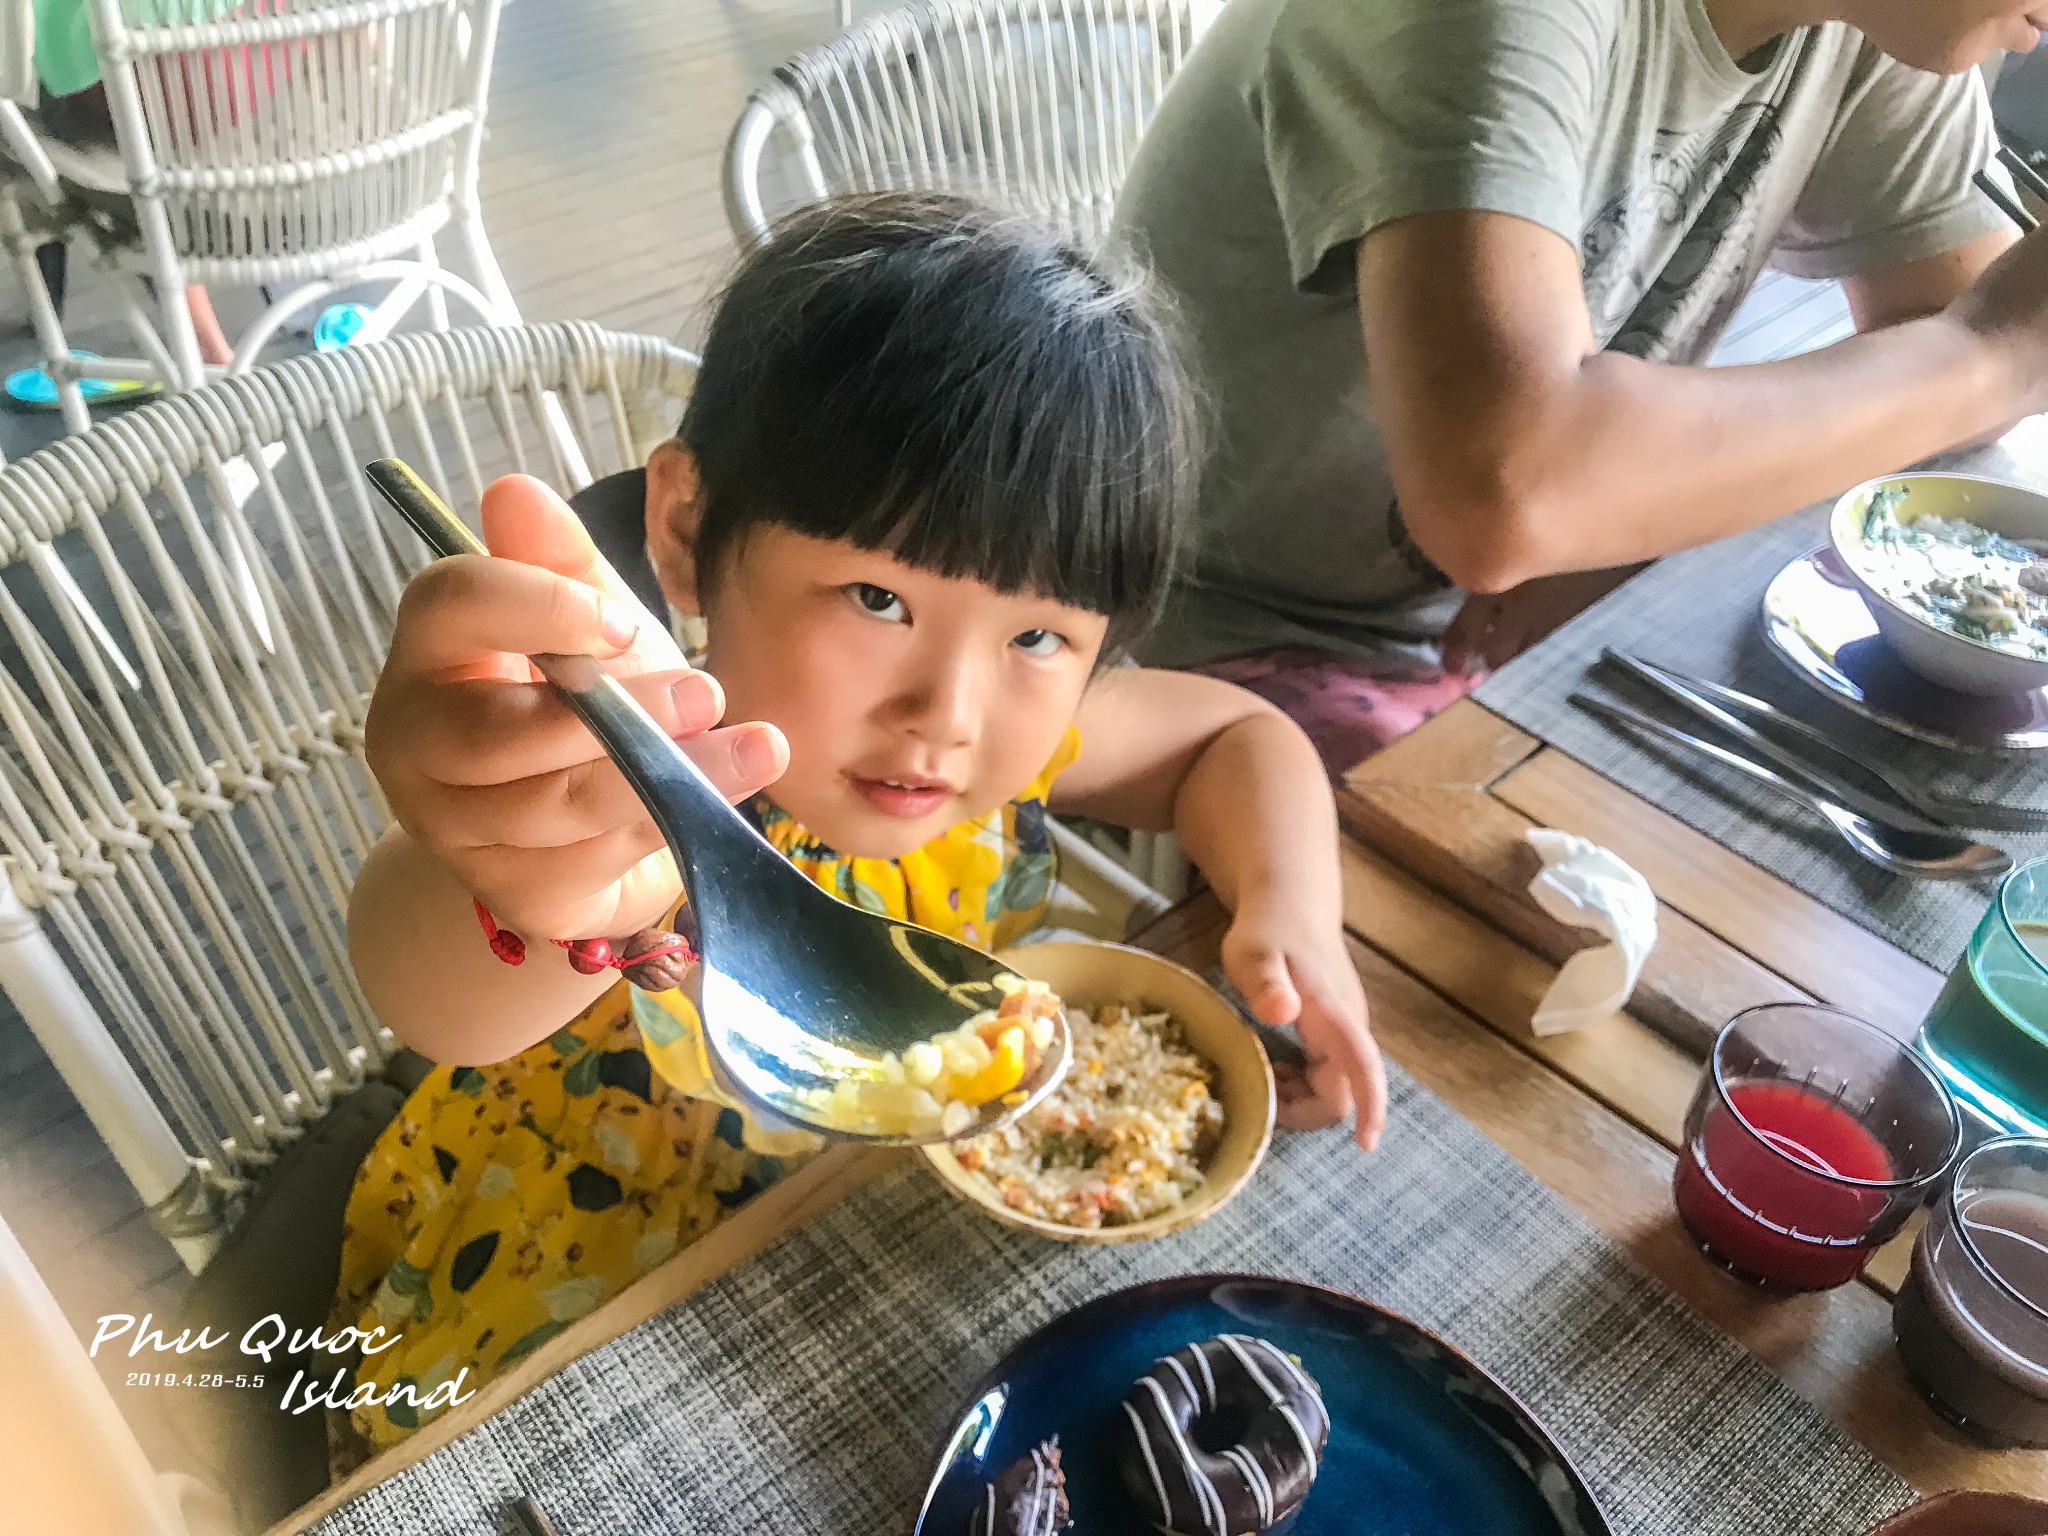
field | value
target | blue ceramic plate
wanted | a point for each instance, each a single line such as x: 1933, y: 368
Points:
x: 1422, y: 1442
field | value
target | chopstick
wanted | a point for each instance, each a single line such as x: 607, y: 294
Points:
x: 1282, y: 1048
x: 528, y: 1517
x: 2007, y: 205
x: 2023, y: 171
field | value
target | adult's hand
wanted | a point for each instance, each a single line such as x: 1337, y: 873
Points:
x: 485, y: 768
x: 2008, y: 307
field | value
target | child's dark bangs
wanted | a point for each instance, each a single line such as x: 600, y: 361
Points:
x: 969, y: 395
x: 1070, y: 522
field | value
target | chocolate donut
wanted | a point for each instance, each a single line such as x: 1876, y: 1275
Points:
x: 1260, y: 1410
x: 1028, y: 1497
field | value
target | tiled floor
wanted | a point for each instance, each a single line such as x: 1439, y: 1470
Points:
x: 601, y: 191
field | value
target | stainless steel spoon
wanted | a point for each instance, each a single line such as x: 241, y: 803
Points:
x: 1902, y: 850
x: 797, y: 989
x: 1930, y: 805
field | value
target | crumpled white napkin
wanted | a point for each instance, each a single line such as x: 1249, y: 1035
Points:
x: 1586, y: 886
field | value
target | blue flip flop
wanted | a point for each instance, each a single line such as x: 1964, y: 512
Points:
x: 34, y: 388
x: 337, y: 326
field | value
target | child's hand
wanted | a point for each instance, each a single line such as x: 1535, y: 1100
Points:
x: 487, y: 769
x: 1293, y: 972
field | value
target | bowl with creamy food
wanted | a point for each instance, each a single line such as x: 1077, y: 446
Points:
x: 1955, y: 570
x: 1163, y: 1114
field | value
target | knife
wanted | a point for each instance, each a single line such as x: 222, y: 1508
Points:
x: 1695, y: 699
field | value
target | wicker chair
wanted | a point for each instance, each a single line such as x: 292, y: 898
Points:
x: 207, y: 595
x: 205, y: 598
x: 1025, y: 104
x: 307, y: 143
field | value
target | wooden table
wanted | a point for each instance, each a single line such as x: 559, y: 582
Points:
x: 1454, y: 956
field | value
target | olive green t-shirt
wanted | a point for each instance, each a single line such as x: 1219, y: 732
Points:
x: 1297, y: 126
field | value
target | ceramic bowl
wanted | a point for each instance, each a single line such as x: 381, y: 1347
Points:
x: 1088, y: 975
x: 1951, y: 660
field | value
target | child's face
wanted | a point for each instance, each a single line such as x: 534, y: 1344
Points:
x: 911, y: 701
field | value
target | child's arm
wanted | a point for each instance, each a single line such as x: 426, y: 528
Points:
x: 501, y: 794
x: 429, y: 973
x: 1245, y: 792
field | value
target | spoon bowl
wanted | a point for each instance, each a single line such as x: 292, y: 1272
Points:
x: 797, y: 990
x: 1908, y: 851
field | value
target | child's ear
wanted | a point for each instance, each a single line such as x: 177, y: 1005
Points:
x: 674, y: 512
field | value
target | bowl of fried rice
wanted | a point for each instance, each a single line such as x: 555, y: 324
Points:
x: 1162, y: 1117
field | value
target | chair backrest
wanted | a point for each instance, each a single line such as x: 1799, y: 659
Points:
x: 195, y: 600
x: 1035, y: 105
x: 286, y: 139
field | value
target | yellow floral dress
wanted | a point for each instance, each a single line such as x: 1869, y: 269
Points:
x: 507, y: 1201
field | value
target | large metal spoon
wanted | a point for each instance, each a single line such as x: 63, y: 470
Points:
x: 1902, y: 850
x: 797, y: 989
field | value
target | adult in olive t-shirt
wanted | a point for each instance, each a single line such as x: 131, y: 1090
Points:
x: 1451, y: 268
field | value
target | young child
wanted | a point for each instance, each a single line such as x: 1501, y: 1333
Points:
x: 927, y: 488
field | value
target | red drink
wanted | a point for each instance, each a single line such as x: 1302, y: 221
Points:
x: 1812, y: 1138
x: 1765, y: 1197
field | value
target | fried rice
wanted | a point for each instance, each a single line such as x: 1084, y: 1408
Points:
x: 1126, y: 1137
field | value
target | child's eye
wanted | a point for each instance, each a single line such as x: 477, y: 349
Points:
x: 879, y: 601
x: 1039, y: 642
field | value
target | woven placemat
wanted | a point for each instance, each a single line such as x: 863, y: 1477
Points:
x: 1700, y: 612
x: 808, y: 1391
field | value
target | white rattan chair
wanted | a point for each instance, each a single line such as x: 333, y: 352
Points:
x: 1035, y: 105
x: 192, y: 626
x: 304, y: 143
x: 195, y: 599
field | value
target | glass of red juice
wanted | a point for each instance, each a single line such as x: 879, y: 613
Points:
x: 1972, y: 1318
x: 1813, y: 1136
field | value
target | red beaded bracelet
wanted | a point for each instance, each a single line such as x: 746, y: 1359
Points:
x: 653, y: 959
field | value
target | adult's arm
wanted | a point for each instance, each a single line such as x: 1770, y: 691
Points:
x: 1519, y: 449
x: 1491, y: 629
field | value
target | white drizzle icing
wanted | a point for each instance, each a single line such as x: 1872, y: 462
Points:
x: 1293, y: 1368
x: 1208, y: 1377
x: 1152, y: 1466
x: 1037, y: 1505
x: 1255, y: 1480
x: 1205, y: 1491
x: 1287, y: 1362
x: 1044, y: 1494
x: 1235, y: 1344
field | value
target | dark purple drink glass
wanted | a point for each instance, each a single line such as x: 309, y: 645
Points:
x: 1972, y: 1318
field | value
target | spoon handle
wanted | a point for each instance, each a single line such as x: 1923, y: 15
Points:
x: 659, y: 771
x: 1709, y: 702
x: 1671, y: 733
